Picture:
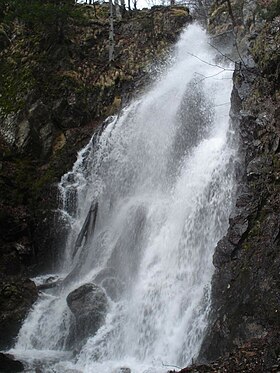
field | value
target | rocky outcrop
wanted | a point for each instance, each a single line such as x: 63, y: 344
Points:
x: 16, y: 298
x: 245, y: 288
x: 257, y: 355
x: 9, y: 365
x: 89, y: 305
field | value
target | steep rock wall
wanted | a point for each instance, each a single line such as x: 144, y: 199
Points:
x: 245, y: 309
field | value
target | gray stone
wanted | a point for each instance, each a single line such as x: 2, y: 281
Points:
x: 27, y: 140
x: 89, y: 305
x: 256, y: 167
x: 123, y: 370
x: 239, y: 226
x: 38, y: 114
x: 46, y: 137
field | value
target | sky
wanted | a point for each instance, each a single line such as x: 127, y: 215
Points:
x: 140, y: 3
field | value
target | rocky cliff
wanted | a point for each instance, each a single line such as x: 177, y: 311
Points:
x: 56, y: 88
x: 245, y: 314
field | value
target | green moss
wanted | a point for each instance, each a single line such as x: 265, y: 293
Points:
x: 10, y: 290
x: 46, y: 179
x: 276, y: 162
x: 148, y: 24
x: 266, y: 52
x: 271, y: 12
x: 16, y: 80
x: 246, y: 246
x: 179, y: 11
x: 28, y: 182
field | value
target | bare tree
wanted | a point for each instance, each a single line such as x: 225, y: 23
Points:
x: 111, y: 34
x: 117, y: 10
x: 123, y: 10
x: 200, y: 8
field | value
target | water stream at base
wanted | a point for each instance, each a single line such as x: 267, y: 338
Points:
x: 161, y: 174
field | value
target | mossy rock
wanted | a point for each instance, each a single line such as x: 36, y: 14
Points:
x: 4, y: 39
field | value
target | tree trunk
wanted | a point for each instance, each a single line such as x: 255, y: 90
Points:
x: 231, y: 13
x: 123, y: 7
x: 111, y: 34
x: 117, y: 10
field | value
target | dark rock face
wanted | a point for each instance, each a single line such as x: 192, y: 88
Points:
x: 246, y: 282
x: 89, y: 305
x: 9, y: 365
x: 16, y: 298
x: 257, y: 355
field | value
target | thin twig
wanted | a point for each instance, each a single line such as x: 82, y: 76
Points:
x: 208, y: 63
x: 224, y: 55
x: 225, y: 103
x: 170, y: 366
x: 220, y: 34
x: 210, y: 76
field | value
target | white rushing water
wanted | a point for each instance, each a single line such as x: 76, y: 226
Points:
x: 162, y: 175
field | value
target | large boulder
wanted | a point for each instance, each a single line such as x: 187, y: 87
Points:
x: 89, y: 305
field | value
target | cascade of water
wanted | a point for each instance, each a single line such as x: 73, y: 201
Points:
x: 147, y: 201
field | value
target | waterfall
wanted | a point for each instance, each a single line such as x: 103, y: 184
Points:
x: 145, y: 204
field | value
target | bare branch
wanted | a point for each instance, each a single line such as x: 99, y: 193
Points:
x: 210, y: 64
x: 221, y: 53
x: 210, y: 76
x: 170, y: 366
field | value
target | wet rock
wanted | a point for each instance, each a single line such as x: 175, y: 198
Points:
x: 4, y: 39
x: 89, y: 305
x: 46, y: 138
x: 257, y: 167
x: 49, y: 285
x: 16, y: 298
x: 9, y: 365
x: 26, y: 138
x: 238, y: 227
x: 223, y: 253
x: 38, y: 114
x: 123, y: 370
